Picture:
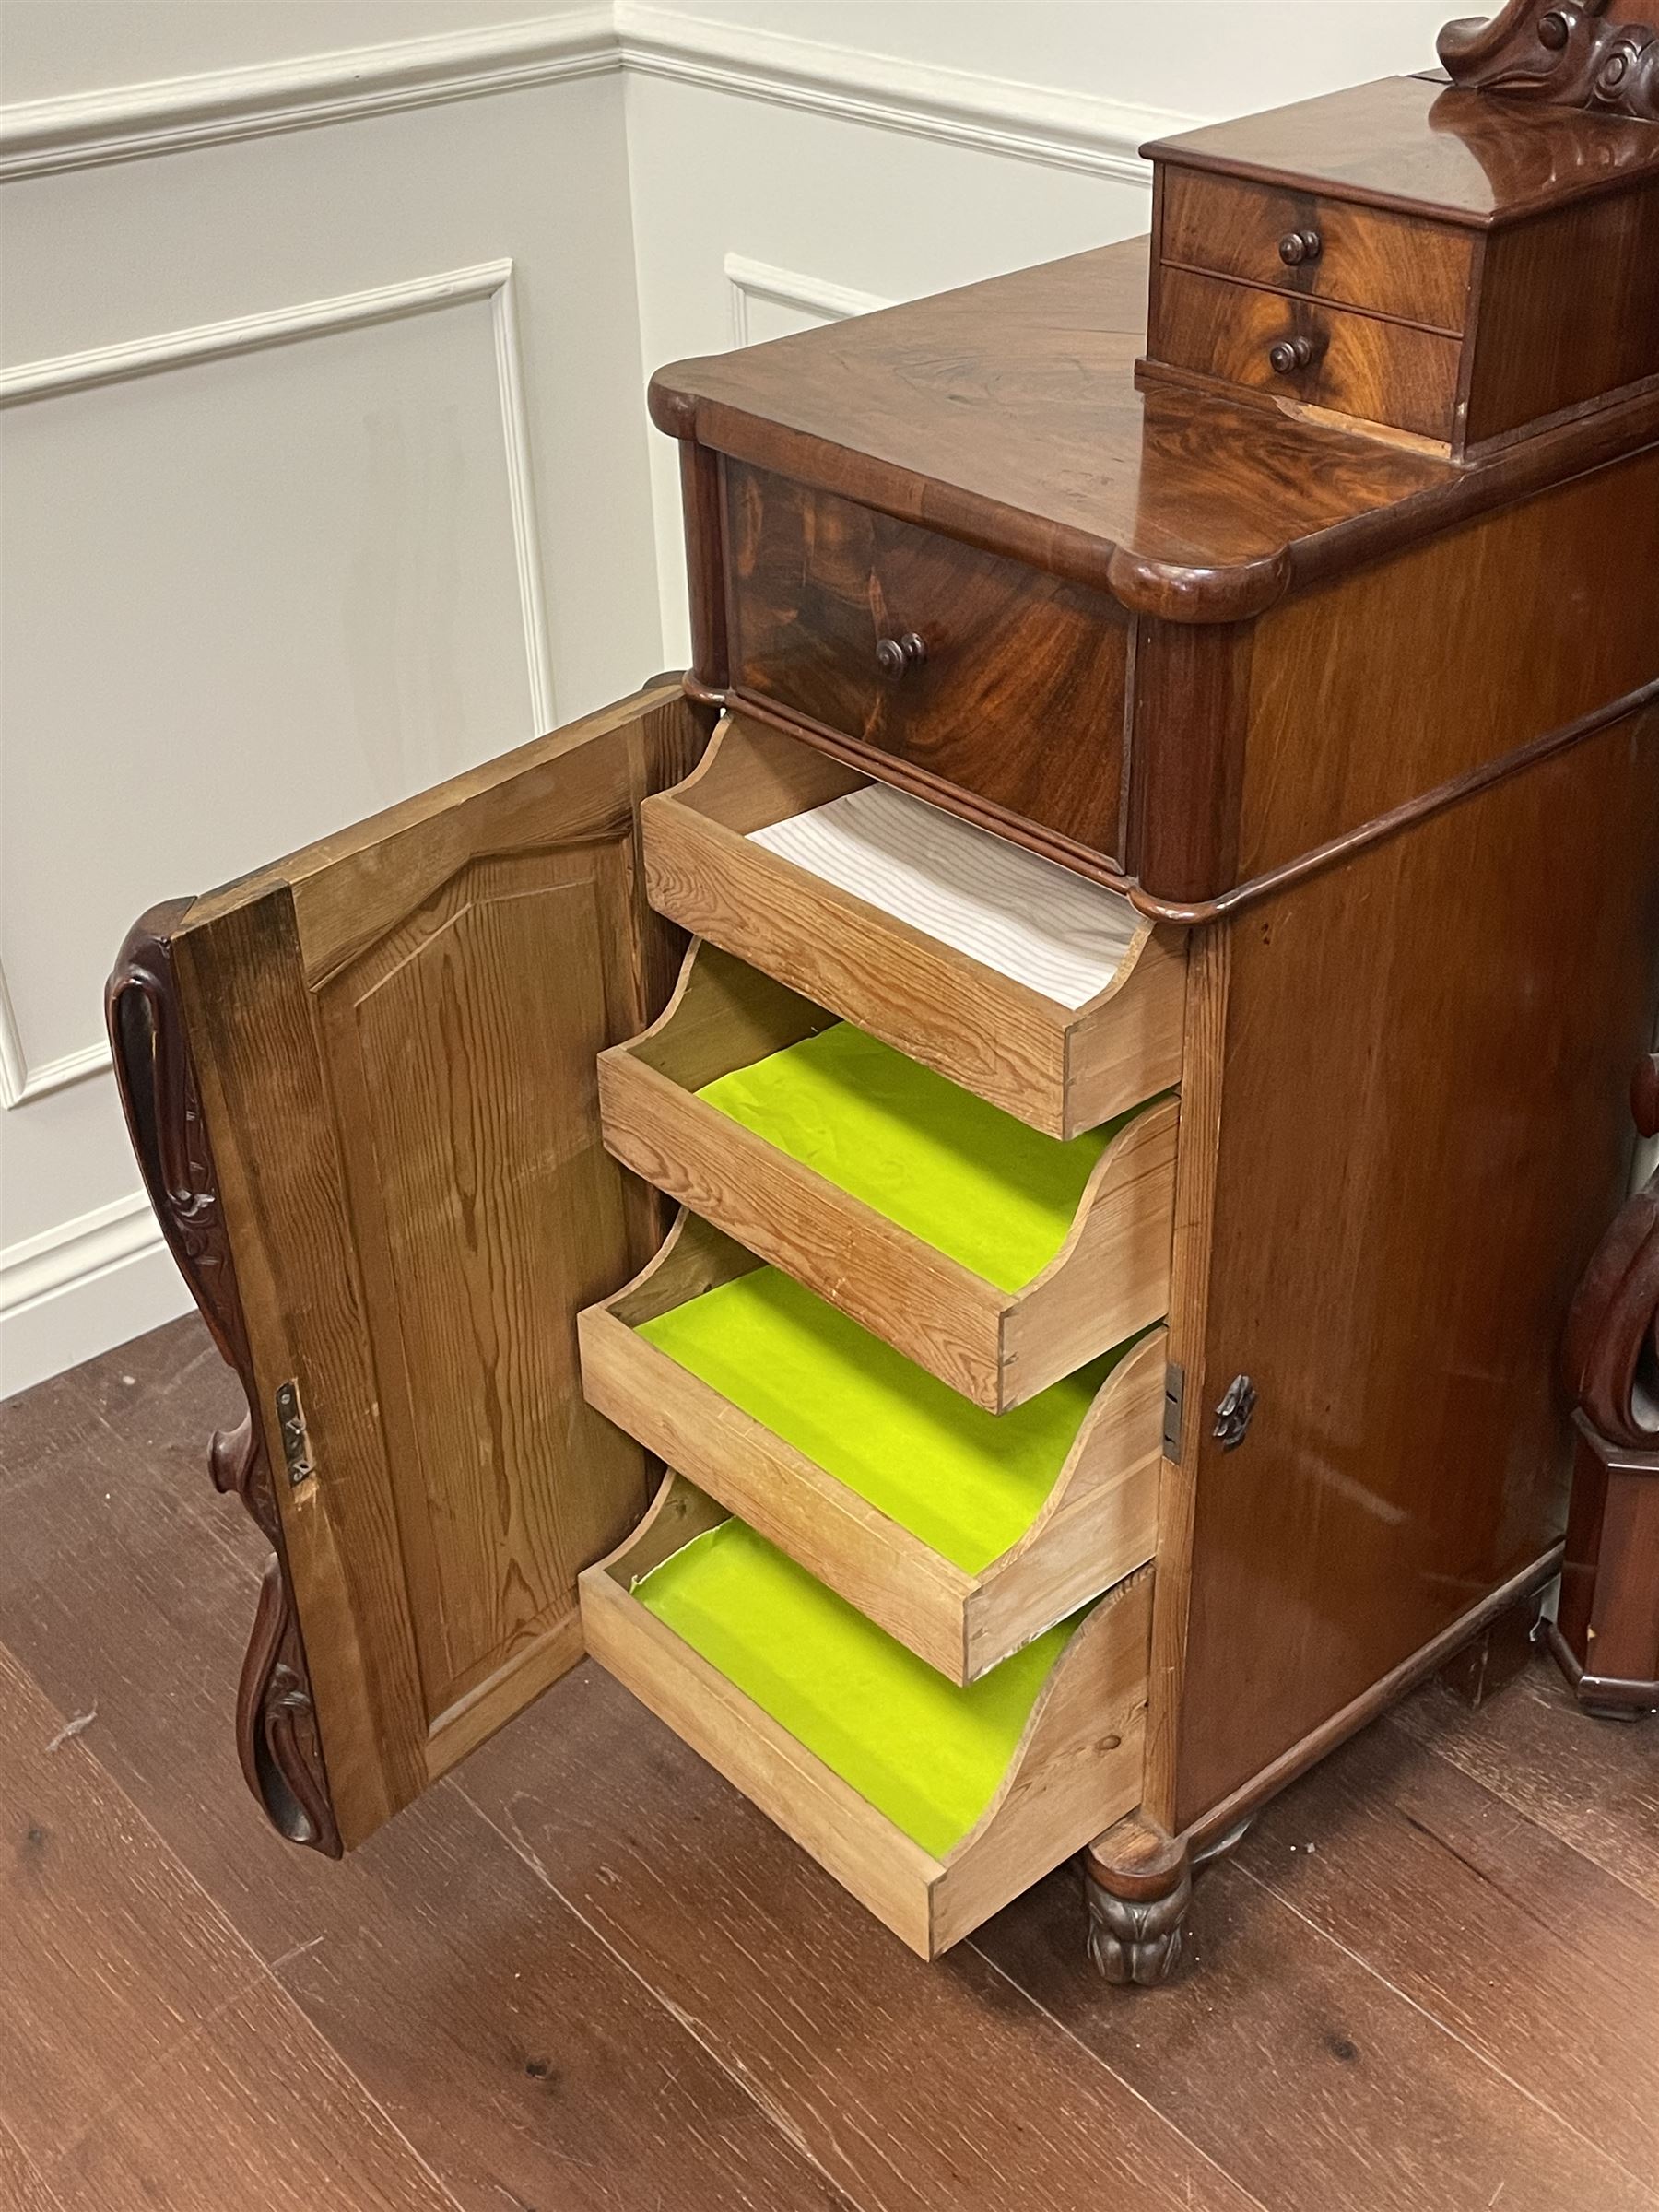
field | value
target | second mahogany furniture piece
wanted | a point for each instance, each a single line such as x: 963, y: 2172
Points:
x: 1333, y: 695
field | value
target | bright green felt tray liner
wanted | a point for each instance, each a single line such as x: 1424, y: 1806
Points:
x: 967, y: 1483
x: 926, y: 1754
x: 962, y: 1175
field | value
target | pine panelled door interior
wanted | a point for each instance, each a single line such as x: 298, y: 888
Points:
x: 1011, y: 1199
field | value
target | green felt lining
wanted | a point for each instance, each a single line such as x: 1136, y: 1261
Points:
x: 967, y: 1482
x: 926, y: 1754
x: 959, y: 1173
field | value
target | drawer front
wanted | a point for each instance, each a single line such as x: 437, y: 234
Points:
x: 1061, y: 1068
x: 1075, y: 1770
x: 1109, y: 1278
x: 1307, y: 350
x: 1334, y: 249
x: 1019, y: 699
x: 1097, y: 1524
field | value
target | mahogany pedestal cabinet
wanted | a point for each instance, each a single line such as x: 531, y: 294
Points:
x: 1291, y: 653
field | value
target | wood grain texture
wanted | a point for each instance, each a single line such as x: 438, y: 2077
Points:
x: 1190, y: 719
x: 1390, y: 264
x: 1305, y: 2073
x: 1569, y: 311
x: 1411, y: 144
x: 396, y: 1033
x: 1063, y: 1071
x: 1080, y: 1750
x: 1393, y: 1264
x: 1607, y: 1631
x: 1020, y: 697
x: 1196, y: 1160
x: 550, y: 2072
x: 1097, y: 1526
x: 1356, y: 364
x: 499, y: 2038
x: 21, y: 2187
x: 1593, y: 1788
x: 113, y: 2086
x: 1422, y: 1873
x: 160, y: 1095
x: 1006, y: 416
x: 1108, y: 1279
x: 1460, y: 653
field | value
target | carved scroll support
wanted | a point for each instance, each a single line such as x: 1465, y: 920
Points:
x: 276, y: 1730
x: 1606, y: 1633
x: 1576, y: 54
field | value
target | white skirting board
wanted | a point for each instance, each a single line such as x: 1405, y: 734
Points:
x: 1010, y: 909
x: 95, y: 1282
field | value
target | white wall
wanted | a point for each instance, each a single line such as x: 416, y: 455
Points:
x: 792, y: 158
x: 327, y: 468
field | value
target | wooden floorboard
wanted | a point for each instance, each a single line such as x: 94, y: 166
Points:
x: 920, y: 2088
x: 515, y: 2053
x: 584, y: 1972
x: 148, y: 2058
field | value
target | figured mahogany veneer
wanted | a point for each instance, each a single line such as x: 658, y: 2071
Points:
x: 1405, y: 218
x: 816, y: 586
x: 1306, y: 348
x: 1313, y: 246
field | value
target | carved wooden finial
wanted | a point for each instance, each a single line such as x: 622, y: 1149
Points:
x: 1600, y: 54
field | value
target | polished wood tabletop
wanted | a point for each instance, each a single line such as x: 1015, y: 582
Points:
x: 1009, y: 413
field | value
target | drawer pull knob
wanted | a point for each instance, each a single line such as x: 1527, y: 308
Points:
x: 1298, y: 246
x: 1291, y: 354
x: 897, y: 656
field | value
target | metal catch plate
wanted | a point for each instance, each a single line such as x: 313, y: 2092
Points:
x: 296, y: 1444
x: 1174, y: 1404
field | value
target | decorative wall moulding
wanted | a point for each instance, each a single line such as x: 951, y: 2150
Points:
x: 1064, y: 130
x: 788, y: 287
x: 129, y: 122
x: 19, y: 1081
x: 73, y: 1251
x: 488, y: 281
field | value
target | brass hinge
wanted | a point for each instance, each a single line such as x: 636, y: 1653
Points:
x: 1175, y: 1400
x: 296, y: 1444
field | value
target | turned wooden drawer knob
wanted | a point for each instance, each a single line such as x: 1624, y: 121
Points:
x: 1291, y: 354
x: 1298, y: 246
x: 897, y: 656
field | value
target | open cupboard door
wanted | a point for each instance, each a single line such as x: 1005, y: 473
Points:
x: 362, y: 1089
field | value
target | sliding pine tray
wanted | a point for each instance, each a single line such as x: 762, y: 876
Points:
x: 934, y: 1806
x: 1067, y: 1246
x: 994, y: 1528
x: 1060, y: 1067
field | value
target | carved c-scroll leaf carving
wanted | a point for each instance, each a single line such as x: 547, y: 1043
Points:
x: 1577, y: 53
x: 276, y: 1729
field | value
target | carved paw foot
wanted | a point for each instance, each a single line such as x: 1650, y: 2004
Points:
x: 1138, y: 1882
x: 1136, y: 1943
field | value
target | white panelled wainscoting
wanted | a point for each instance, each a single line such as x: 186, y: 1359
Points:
x: 327, y: 468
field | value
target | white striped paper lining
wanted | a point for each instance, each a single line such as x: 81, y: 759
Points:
x: 1027, y: 917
